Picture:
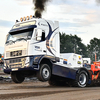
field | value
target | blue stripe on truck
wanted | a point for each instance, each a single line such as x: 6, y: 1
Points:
x: 64, y: 71
x: 49, y: 36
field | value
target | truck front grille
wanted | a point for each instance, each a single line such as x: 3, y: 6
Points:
x: 15, y: 60
x: 16, y: 53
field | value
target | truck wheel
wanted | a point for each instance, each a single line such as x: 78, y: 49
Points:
x: 44, y: 73
x: 17, y: 77
x: 81, y: 79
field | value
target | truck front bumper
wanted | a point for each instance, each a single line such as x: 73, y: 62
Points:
x: 21, y: 63
x: 31, y: 68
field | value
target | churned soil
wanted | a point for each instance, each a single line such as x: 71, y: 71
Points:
x: 36, y: 90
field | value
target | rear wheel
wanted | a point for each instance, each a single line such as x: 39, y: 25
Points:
x: 17, y: 77
x: 81, y: 79
x: 44, y: 73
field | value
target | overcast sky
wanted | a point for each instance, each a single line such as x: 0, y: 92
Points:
x: 80, y: 17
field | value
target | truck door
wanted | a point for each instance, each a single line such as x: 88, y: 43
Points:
x: 40, y: 43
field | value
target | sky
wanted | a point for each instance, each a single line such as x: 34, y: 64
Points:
x: 76, y: 17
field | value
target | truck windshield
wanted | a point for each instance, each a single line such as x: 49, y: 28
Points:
x: 19, y: 35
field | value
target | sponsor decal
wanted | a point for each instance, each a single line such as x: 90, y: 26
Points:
x: 38, y: 48
x: 79, y: 62
x: 24, y: 24
x: 65, y: 61
x: 79, y: 57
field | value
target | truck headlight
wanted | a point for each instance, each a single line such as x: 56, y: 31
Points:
x: 27, y: 61
x: 4, y: 63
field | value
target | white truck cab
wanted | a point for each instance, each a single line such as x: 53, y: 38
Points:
x: 32, y: 48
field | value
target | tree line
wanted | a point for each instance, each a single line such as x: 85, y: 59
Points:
x: 73, y: 44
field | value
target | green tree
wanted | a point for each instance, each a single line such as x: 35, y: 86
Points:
x: 94, y: 47
x: 65, y: 44
x: 72, y: 44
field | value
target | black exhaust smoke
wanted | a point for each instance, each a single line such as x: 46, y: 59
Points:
x: 98, y: 2
x: 39, y: 7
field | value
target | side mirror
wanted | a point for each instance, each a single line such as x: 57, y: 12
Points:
x: 39, y: 35
x: 38, y: 38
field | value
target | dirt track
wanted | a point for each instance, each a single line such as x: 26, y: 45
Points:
x: 42, y: 91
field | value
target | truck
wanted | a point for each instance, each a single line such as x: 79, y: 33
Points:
x: 32, y: 49
x: 87, y: 60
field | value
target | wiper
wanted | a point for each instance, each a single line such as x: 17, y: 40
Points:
x: 21, y: 39
x: 10, y: 41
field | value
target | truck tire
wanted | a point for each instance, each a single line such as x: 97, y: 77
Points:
x: 81, y: 79
x: 44, y: 73
x: 17, y: 77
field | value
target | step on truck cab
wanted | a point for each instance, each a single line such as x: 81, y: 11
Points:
x: 32, y: 48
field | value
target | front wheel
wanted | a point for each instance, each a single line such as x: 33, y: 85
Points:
x: 44, y: 73
x: 17, y: 77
